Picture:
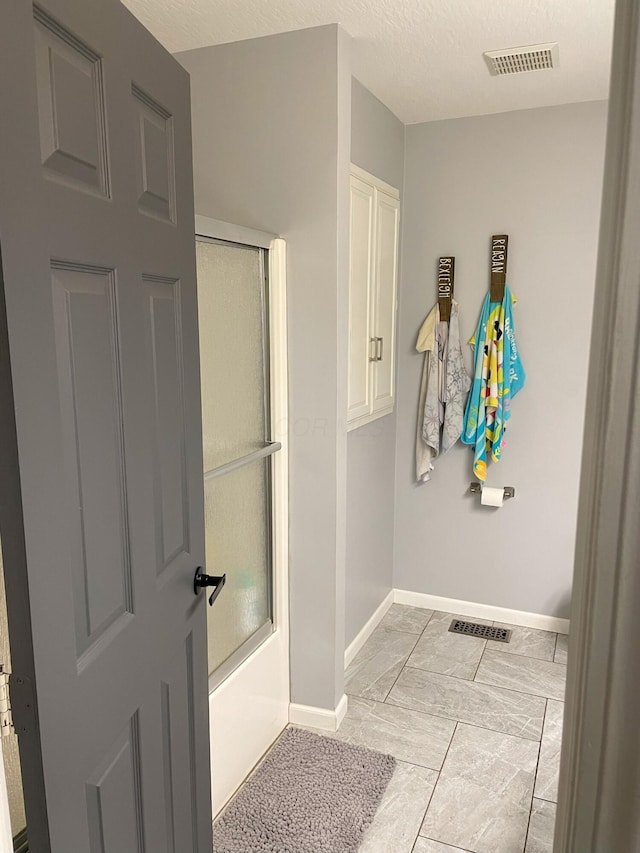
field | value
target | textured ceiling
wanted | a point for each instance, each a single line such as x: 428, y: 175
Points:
x: 422, y: 58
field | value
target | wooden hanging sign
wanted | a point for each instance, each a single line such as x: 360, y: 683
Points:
x: 499, y: 251
x: 446, y: 274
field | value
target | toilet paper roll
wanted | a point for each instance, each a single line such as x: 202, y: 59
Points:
x: 492, y: 497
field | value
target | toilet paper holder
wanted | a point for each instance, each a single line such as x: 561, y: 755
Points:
x: 509, y: 491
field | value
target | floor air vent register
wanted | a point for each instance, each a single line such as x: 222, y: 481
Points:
x: 485, y: 632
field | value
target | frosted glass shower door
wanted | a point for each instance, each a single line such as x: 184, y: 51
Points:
x: 248, y: 650
x: 234, y: 365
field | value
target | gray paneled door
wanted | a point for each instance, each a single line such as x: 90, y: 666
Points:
x: 100, y: 449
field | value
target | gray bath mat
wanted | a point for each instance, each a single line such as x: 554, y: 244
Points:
x: 311, y: 794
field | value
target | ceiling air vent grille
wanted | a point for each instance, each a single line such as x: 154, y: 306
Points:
x: 533, y: 57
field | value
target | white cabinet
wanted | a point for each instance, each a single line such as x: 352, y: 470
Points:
x: 375, y: 209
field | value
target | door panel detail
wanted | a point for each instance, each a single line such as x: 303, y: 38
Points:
x: 91, y: 410
x: 155, y: 158
x: 167, y: 759
x: 70, y: 108
x: 360, y: 320
x: 171, y: 492
x: 114, y: 797
x: 386, y: 274
x: 191, y: 715
x: 178, y: 747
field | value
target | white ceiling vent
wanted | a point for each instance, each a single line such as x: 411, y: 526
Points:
x: 532, y: 57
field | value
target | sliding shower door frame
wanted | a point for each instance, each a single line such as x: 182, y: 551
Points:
x: 249, y: 692
x: 270, y: 447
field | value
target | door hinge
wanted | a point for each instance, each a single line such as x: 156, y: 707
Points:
x: 6, y: 716
x: 16, y: 696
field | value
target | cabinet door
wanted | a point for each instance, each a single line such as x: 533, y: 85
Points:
x: 387, y: 214
x: 360, y: 298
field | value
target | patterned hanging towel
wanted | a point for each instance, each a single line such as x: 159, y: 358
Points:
x: 498, y: 376
x: 444, y: 387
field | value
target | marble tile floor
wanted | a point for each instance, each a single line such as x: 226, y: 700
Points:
x: 475, y: 727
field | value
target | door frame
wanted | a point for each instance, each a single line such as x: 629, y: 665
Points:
x: 279, y: 402
x: 599, y: 790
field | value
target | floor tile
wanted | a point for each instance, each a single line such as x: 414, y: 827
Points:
x: 549, y: 763
x: 541, y: 827
x: 562, y: 647
x: 438, y: 650
x: 526, y: 641
x: 407, y: 735
x: 374, y: 669
x: 399, y: 617
x: 400, y: 813
x: 528, y: 675
x: 426, y: 845
x: 482, y: 799
x: 469, y: 702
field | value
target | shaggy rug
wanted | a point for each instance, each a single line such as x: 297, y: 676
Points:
x: 311, y: 794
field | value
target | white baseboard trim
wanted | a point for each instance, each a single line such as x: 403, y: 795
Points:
x: 481, y: 611
x: 318, y: 718
x: 363, y: 635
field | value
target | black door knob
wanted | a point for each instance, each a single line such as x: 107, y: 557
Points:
x: 200, y: 581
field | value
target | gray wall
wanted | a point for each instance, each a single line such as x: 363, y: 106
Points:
x: 377, y: 145
x: 536, y: 175
x: 271, y: 134
x: 377, y: 136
